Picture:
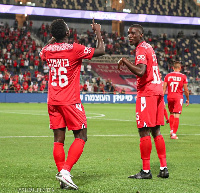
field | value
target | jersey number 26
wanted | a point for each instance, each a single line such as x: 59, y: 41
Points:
x: 63, y: 80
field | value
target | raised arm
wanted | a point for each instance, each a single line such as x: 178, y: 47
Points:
x: 138, y: 70
x: 186, y: 91
x: 100, y: 49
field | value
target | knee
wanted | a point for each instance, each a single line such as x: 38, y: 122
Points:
x: 156, y: 133
x: 60, y: 140
x: 83, y: 137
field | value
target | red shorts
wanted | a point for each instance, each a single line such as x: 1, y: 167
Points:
x: 71, y: 116
x: 175, y: 105
x: 150, y: 111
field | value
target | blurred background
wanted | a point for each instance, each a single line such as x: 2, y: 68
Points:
x: 171, y: 27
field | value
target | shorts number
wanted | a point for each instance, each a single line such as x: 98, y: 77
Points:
x: 156, y: 77
x: 63, y: 80
x: 174, y: 86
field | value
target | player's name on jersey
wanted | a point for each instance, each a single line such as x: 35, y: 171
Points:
x: 58, y: 62
x: 174, y: 78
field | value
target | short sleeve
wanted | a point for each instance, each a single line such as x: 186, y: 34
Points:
x: 185, y: 80
x: 141, y: 56
x: 83, y: 52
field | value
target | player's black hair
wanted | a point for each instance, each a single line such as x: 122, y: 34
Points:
x: 58, y: 29
x: 139, y: 27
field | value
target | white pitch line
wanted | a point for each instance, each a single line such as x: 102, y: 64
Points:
x: 97, y: 116
x: 123, y: 135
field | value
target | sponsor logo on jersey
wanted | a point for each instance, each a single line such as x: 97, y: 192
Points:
x: 140, y: 57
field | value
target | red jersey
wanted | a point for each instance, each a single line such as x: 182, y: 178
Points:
x: 150, y: 83
x: 64, y: 61
x: 175, y: 82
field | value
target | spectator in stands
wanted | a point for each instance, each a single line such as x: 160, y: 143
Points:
x: 90, y: 88
x: 44, y: 83
x: 85, y: 88
x: 108, y: 85
x: 45, y: 68
x: 89, y: 68
x: 39, y: 77
x: 1, y: 76
x: 30, y: 89
x: 82, y: 69
x: 17, y: 88
x: 7, y: 77
x: 26, y: 64
x: 42, y: 87
x: 95, y: 88
x: 35, y: 87
x: 4, y: 88
x: 123, y: 91
x: 21, y: 77
x: 98, y: 80
x: 87, y: 82
x: 11, y: 88
x: 25, y: 87
x: 101, y: 88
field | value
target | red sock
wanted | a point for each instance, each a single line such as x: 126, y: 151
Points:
x: 161, y: 150
x: 145, y: 150
x: 59, y: 155
x: 166, y: 114
x: 74, y: 153
x: 171, y: 121
x: 175, y: 125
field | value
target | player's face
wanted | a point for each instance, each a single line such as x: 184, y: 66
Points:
x: 134, y: 36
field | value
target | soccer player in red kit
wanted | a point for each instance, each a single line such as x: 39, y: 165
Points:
x: 149, y: 103
x: 175, y: 82
x: 64, y: 104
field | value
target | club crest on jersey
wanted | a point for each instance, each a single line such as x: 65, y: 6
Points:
x: 140, y: 57
x: 87, y: 50
x: 78, y: 106
x: 143, y: 103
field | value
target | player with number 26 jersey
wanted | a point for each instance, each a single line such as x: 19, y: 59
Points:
x: 64, y: 61
x: 150, y: 83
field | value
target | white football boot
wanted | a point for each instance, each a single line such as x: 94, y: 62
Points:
x: 65, y: 177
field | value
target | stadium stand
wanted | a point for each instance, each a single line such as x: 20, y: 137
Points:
x: 25, y: 60
x: 163, y: 7
x: 158, y: 7
x: 15, y: 62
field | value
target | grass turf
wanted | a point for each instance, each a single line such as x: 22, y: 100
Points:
x: 110, y: 155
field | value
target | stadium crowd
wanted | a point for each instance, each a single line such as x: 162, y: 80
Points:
x: 21, y: 70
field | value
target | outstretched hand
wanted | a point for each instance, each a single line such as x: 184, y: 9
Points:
x: 95, y: 26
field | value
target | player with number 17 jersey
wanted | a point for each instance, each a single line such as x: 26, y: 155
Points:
x: 64, y: 61
x: 150, y: 83
x: 175, y: 82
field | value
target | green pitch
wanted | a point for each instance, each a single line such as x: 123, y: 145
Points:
x: 110, y: 155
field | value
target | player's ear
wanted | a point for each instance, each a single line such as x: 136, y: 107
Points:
x: 141, y: 36
x: 67, y: 33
